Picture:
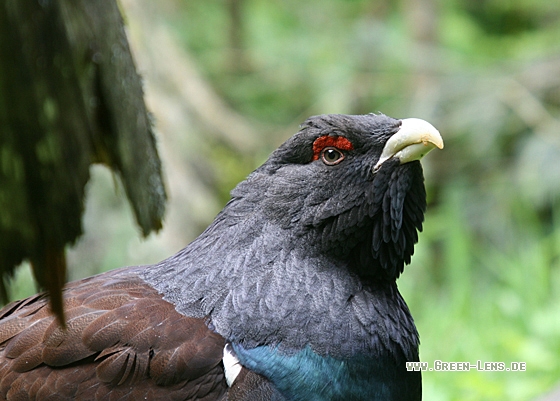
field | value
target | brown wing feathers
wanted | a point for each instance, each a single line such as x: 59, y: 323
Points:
x: 121, y: 337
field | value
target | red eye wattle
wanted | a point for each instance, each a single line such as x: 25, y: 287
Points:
x: 331, y: 149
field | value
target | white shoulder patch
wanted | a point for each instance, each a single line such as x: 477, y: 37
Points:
x: 232, y: 367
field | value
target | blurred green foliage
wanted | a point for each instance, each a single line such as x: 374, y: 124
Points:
x: 485, y: 281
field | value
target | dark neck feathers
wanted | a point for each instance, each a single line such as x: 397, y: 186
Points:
x: 293, y: 279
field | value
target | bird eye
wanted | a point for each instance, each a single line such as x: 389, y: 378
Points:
x: 331, y: 156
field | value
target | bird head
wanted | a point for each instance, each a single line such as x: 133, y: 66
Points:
x: 348, y: 186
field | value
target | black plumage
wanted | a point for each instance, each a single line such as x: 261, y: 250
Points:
x: 289, y: 294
